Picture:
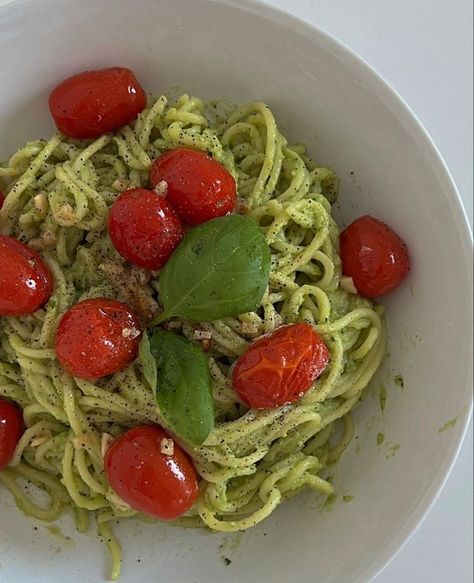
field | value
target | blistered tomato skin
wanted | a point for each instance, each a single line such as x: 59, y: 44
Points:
x: 97, y: 337
x: 281, y: 367
x: 26, y: 282
x: 197, y: 186
x: 93, y: 103
x: 374, y: 256
x: 144, y: 228
x: 162, y: 485
x: 11, y: 429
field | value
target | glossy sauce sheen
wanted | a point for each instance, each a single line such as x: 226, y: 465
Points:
x: 93, y: 103
x: 280, y: 367
x: 163, y: 486
x: 97, y: 337
x: 198, y: 187
x: 144, y: 228
x: 26, y: 282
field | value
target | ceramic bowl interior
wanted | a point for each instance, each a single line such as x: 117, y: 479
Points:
x: 324, y: 96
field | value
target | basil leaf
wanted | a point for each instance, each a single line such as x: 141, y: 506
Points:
x: 219, y: 269
x: 148, y: 362
x: 184, y: 393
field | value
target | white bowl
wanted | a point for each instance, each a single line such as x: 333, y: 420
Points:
x: 324, y: 95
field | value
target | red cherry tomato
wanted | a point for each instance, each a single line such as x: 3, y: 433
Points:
x: 144, y: 228
x: 25, y: 281
x: 280, y: 367
x: 198, y: 187
x: 93, y: 103
x: 162, y: 485
x: 11, y: 429
x: 374, y: 256
x: 2, y: 199
x: 97, y: 337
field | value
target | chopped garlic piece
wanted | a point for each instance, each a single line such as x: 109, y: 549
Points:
x: 37, y: 244
x: 202, y: 335
x: 167, y: 446
x: 121, y: 184
x: 49, y: 238
x: 80, y: 441
x: 130, y: 333
x: 41, y: 202
x: 347, y: 284
x: 249, y: 328
x: 161, y: 188
x: 66, y: 215
x: 41, y: 438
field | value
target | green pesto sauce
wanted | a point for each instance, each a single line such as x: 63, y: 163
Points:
x: 448, y: 425
x: 329, y: 502
x: 398, y: 380
x: 231, y: 543
x: 382, y: 398
x: 228, y: 548
x: 348, y: 498
x: 380, y: 438
x: 392, y: 451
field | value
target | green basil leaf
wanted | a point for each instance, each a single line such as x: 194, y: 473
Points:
x: 184, y: 388
x: 148, y: 362
x: 219, y: 269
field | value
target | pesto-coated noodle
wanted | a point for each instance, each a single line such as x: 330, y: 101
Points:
x: 58, y: 195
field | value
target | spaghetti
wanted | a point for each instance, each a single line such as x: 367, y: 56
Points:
x: 58, y: 195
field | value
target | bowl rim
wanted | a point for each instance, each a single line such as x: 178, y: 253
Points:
x: 386, y: 93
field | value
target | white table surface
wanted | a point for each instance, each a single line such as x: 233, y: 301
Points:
x: 423, y: 48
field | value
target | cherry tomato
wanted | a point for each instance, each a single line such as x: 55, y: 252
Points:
x: 93, y: 103
x: 97, y: 337
x: 144, y: 228
x: 163, y: 485
x: 11, y: 429
x: 25, y: 281
x: 374, y: 256
x: 280, y: 367
x: 198, y: 187
x: 2, y: 199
